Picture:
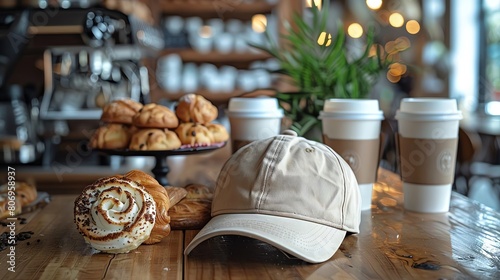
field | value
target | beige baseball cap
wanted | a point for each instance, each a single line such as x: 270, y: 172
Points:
x: 295, y: 194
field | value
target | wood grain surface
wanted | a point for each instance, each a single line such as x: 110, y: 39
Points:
x: 57, y: 251
x: 393, y: 244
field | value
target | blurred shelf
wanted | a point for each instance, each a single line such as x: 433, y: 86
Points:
x: 214, y: 97
x: 218, y: 9
x: 190, y: 55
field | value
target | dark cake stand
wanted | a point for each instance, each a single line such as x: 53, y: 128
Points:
x: 161, y: 169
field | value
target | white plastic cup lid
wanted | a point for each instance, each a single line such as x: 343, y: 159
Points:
x: 362, y: 109
x: 428, y: 109
x: 254, y: 107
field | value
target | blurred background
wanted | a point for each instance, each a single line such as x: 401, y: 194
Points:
x: 62, y: 60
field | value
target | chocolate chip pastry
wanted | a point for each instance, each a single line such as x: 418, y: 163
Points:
x: 218, y: 131
x: 194, y: 134
x: 154, y: 139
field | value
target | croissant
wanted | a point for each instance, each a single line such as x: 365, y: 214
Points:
x: 161, y: 227
x: 115, y: 215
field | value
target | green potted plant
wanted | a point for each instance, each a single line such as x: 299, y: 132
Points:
x: 321, y: 66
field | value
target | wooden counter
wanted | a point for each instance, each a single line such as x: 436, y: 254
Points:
x: 393, y: 244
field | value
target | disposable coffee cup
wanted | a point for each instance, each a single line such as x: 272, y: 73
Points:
x: 253, y: 119
x: 427, y: 144
x: 351, y: 127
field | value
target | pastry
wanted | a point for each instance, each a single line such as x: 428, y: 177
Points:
x: 14, y: 198
x: 27, y: 193
x: 111, y: 136
x: 219, y: 132
x: 148, y: 139
x: 194, y: 134
x: 155, y: 116
x: 195, y: 108
x: 193, y: 212
x: 159, y: 193
x: 9, y: 206
x: 120, y: 111
x: 198, y: 191
x: 175, y: 194
x: 115, y: 215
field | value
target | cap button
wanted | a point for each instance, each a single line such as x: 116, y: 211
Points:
x: 289, y: 132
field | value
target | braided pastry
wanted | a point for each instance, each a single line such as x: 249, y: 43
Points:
x: 111, y: 136
x: 195, y: 108
x: 155, y: 116
x: 120, y: 111
x: 192, y: 212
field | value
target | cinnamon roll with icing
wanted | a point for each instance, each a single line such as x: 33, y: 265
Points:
x: 115, y: 215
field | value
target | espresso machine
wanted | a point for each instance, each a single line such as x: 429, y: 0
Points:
x: 77, y: 59
x: 18, y: 141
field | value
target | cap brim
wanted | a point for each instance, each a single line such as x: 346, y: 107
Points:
x: 309, y: 241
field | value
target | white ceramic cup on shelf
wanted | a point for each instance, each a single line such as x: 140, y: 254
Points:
x: 427, y: 141
x: 224, y: 42
x: 190, y: 78
x: 202, y: 44
x: 234, y: 26
x: 228, y: 75
x: 174, y: 24
x: 193, y: 24
x: 351, y: 127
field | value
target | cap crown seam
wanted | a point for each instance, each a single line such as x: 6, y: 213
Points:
x: 343, y: 185
x: 269, y: 171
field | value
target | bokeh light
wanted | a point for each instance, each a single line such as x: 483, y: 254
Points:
x: 401, y: 44
x: 355, y: 30
x: 391, y: 78
x: 396, y: 20
x: 412, y: 26
x: 259, y: 23
x: 375, y: 50
x: 325, y: 39
x: 205, y: 31
x: 318, y: 3
x: 374, y: 4
x: 397, y: 69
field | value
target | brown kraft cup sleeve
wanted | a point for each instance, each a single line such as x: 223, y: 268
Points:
x: 427, y: 161
x: 361, y: 155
